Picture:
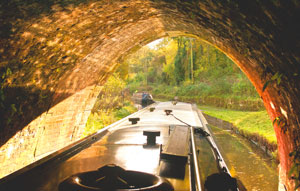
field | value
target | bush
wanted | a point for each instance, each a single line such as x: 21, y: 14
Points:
x: 95, y: 122
x: 221, y: 87
x: 111, y: 95
x: 111, y: 105
x: 124, y: 111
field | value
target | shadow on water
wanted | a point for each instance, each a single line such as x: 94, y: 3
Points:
x: 246, y: 162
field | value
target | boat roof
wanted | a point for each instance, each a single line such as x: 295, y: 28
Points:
x: 122, y: 144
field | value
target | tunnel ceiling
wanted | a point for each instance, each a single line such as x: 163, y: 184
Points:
x: 49, y: 50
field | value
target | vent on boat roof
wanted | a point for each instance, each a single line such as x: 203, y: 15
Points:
x: 112, y: 177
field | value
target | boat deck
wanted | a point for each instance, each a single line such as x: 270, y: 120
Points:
x: 124, y: 145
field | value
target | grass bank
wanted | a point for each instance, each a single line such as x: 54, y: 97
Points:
x: 251, y: 122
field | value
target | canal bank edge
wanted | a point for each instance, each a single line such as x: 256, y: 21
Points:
x: 256, y: 139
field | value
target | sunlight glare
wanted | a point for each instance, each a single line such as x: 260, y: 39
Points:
x: 153, y: 44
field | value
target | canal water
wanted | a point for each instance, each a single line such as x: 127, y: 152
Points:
x: 246, y: 162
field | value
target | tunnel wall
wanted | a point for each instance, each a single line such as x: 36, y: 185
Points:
x: 49, y: 132
x: 53, y: 51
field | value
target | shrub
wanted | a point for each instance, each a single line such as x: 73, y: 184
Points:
x: 124, y: 111
x: 111, y: 105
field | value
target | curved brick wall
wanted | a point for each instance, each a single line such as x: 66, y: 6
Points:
x: 55, y: 57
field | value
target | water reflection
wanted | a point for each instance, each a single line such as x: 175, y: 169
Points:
x: 247, y: 162
x: 206, y: 158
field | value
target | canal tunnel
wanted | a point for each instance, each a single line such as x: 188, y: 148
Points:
x: 56, y: 55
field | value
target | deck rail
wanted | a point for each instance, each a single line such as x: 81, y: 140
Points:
x: 195, y: 160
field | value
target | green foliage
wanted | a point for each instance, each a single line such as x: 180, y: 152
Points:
x: 103, y: 118
x: 134, y: 86
x: 94, y: 123
x: 169, y: 64
x: 13, y: 109
x: 294, y: 172
x: 180, y: 60
x: 111, y: 105
x: 2, y: 97
x: 266, y: 85
x: 111, y: 95
x: 124, y: 111
x: 277, y: 77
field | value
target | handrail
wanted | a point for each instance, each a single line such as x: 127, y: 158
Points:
x: 217, y: 154
x: 195, y: 157
x: 219, y: 158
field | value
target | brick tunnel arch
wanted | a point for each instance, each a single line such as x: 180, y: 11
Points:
x: 54, y: 62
